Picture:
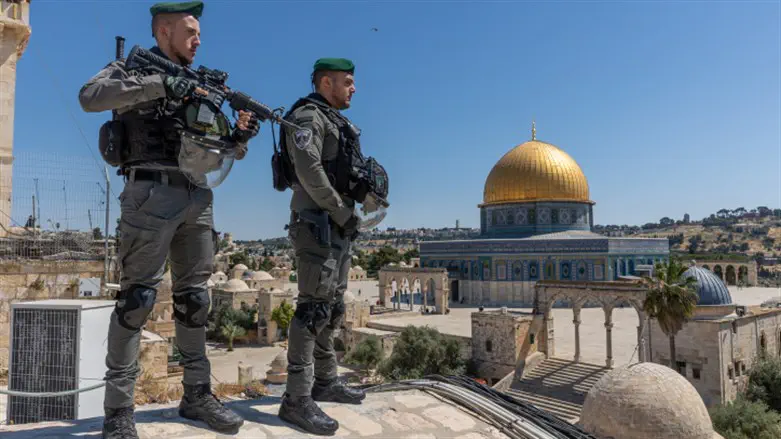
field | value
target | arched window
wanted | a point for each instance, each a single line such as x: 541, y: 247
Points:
x: 488, y: 346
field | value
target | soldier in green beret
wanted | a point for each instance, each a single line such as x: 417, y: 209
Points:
x: 163, y: 216
x: 315, y: 155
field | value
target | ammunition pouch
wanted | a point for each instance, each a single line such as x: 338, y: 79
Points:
x: 111, y: 142
x: 313, y: 315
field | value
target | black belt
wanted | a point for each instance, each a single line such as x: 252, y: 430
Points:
x: 172, y: 178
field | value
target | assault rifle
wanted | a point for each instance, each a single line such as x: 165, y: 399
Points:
x: 212, y: 87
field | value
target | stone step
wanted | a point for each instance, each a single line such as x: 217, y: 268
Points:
x: 564, y: 374
x: 531, y: 395
x: 562, y: 409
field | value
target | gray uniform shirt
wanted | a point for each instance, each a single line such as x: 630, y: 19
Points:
x: 113, y: 88
x: 314, y: 190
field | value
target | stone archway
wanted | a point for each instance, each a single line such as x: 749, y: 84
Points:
x: 731, y: 277
x: 607, y: 294
x: 432, y: 281
x: 743, y: 274
x: 718, y: 272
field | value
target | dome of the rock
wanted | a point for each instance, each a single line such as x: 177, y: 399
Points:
x: 710, y: 289
x: 535, y: 171
x: 645, y: 401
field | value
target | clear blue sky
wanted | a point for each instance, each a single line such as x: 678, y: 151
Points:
x: 669, y: 107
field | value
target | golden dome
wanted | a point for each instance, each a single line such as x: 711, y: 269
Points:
x: 535, y: 171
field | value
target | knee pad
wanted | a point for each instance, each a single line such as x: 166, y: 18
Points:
x: 337, y: 314
x: 312, y: 315
x: 192, y: 309
x: 134, y: 306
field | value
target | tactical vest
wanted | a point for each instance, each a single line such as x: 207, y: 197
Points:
x: 152, y: 133
x: 339, y: 169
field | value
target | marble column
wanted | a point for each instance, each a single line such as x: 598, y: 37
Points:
x: 642, y: 337
x: 609, y: 336
x: 576, y: 321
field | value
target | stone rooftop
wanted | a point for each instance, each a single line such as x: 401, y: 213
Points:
x: 401, y: 414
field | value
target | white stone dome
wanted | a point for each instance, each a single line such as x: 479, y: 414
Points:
x: 239, y: 267
x: 235, y: 286
x: 645, y: 401
x: 219, y: 273
x: 358, y: 268
x: 262, y: 275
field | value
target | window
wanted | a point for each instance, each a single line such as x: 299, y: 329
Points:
x: 695, y: 373
x: 488, y: 346
x: 742, y: 368
x: 730, y: 372
x: 736, y: 364
x: 531, y: 338
x: 681, y: 367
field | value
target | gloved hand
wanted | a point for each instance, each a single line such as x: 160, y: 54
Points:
x: 350, y: 228
x: 247, y: 126
x: 178, y: 87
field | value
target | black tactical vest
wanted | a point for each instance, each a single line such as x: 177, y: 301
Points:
x: 339, y: 169
x: 152, y: 131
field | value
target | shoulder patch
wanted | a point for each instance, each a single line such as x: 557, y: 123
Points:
x: 303, y: 138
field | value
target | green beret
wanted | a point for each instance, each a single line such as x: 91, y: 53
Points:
x: 337, y: 64
x: 193, y: 8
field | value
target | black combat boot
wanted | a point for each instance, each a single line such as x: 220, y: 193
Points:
x: 303, y: 412
x: 119, y: 424
x: 336, y: 391
x: 198, y: 403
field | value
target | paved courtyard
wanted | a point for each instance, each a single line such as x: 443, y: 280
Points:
x: 592, y: 327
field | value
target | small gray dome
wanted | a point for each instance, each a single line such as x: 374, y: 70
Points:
x: 710, y: 288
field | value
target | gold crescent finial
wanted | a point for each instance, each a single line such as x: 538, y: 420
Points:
x: 534, y: 131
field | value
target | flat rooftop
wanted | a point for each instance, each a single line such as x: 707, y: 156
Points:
x: 402, y: 414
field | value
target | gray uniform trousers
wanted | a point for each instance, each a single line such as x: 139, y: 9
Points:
x: 322, y: 278
x: 158, y: 217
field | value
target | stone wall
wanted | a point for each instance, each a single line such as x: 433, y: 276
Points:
x: 234, y: 299
x: 352, y: 337
x: 267, y: 302
x: 38, y: 280
x: 500, y: 339
x: 717, y: 355
x: 153, y: 356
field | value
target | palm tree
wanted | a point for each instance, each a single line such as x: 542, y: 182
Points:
x: 230, y: 331
x: 671, y: 299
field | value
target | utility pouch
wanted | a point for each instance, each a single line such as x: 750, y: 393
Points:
x: 111, y: 142
x: 320, y: 225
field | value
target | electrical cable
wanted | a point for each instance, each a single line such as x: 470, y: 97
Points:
x: 50, y: 394
x: 514, y: 417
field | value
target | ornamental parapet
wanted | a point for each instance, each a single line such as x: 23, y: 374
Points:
x: 425, y: 270
x: 592, y: 285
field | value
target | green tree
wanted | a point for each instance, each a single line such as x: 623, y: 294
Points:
x: 409, y: 254
x: 230, y: 331
x: 97, y: 233
x: 694, y: 243
x: 671, y: 299
x: 744, y: 419
x: 384, y: 256
x: 267, y: 264
x: 368, y: 353
x: 764, y: 382
x: 421, y: 351
x: 282, y: 315
x: 240, y: 258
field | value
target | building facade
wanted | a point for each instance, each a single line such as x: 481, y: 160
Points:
x: 536, y: 220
